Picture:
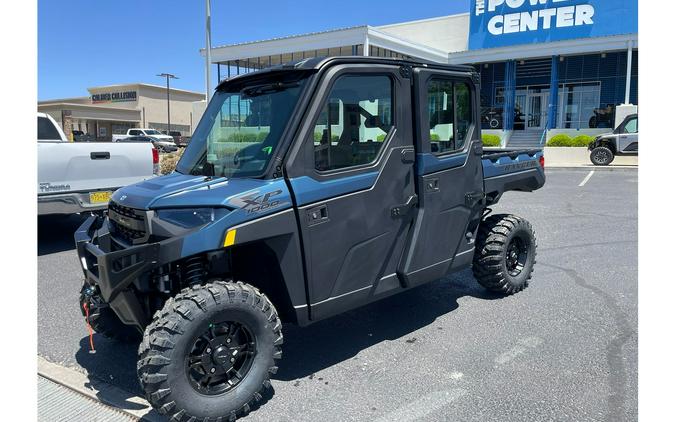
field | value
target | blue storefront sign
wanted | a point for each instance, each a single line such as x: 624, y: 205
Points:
x: 499, y: 23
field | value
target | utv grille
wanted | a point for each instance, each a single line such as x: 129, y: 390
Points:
x: 127, y: 224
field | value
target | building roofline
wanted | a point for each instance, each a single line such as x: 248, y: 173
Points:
x: 202, y: 51
x: 43, y: 104
x: 438, y: 18
x: 548, y: 49
x: 144, y: 85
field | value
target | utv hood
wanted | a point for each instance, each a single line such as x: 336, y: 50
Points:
x: 178, y: 190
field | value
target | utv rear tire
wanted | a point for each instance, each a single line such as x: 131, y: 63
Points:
x: 195, y: 335
x: 104, y: 321
x: 602, y: 156
x: 506, y: 249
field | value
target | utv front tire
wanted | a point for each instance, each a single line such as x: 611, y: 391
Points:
x: 506, y: 249
x: 602, y: 156
x: 209, y: 352
x: 104, y: 320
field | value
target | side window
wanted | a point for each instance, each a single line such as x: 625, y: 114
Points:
x: 631, y: 126
x: 46, y: 130
x: 135, y: 132
x: 449, y: 108
x: 354, y: 122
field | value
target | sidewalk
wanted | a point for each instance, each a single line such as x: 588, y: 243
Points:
x: 68, y: 395
x: 58, y: 403
x: 580, y: 157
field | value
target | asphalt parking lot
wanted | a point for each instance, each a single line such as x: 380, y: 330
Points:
x: 564, y: 349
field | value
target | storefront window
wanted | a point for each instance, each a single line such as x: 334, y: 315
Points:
x: 577, y: 105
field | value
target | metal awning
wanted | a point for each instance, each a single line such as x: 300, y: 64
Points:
x: 353, y: 41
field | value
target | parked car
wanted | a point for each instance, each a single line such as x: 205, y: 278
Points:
x: 300, y: 224
x: 143, y: 132
x: 77, y: 177
x: 622, y: 141
x: 80, y: 136
x: 162, y: 145
x: 178, y: 138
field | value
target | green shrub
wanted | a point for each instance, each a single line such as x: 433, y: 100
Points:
x: 242, y: 137
x: 563, y: 140
x: 435, y: 137
x: 560, y: 140
x: 581, y: 140
x: 260, y: 137
x: 491, y: 140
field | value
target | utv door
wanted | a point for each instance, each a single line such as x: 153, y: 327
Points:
x: 353, y: 183
x: 628, y: 137
x: 449, y: 175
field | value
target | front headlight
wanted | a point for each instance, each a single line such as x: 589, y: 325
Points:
x: 187, y: 217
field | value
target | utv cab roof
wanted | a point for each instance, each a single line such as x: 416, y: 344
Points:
x: 314, y: 64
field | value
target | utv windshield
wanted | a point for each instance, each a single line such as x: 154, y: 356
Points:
x: 241, y: 127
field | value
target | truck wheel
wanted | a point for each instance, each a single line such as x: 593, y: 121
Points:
x: 505, y: 254
x: 209, y: 352
x: 103, y: 320
x: 602, y: 156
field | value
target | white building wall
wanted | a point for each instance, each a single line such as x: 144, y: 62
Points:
x: 152, y: 103
x: 446, y: 33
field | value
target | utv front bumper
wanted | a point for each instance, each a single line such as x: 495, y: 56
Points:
x: 114, y: 271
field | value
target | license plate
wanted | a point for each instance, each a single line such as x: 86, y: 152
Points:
x: 100, y: 197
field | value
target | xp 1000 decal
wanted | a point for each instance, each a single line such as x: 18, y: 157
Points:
x: 258, y: 201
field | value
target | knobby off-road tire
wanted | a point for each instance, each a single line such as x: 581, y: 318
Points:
x: 602, y: 156
x: 506, y: 249
x: 193, y: 323
x: 103, y: 319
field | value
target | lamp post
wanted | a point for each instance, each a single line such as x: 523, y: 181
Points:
x: 168, y: 107
x: 208, y: 51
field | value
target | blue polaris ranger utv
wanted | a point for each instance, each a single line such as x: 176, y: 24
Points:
x: 307, y: 190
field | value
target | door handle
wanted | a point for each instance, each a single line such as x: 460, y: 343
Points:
x: 408, y: 155
x: 403, y: 209
x: 317, y: 215
x: 102, y: 155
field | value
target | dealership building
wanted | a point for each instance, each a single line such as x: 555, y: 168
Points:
x: 112, y: 109
x: 546, y: 66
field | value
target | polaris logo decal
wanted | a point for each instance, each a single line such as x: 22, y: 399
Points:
x: 519, y: 166
x: 257, y: 201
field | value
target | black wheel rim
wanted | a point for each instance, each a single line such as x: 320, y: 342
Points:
x: 220, y: 358
x: 516, y: 256
x: 601, y: 157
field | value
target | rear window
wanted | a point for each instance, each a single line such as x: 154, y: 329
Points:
x: 47, y: 130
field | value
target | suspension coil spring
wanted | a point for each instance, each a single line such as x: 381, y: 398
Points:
x: 194, y: 270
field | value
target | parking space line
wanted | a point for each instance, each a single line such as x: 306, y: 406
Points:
x: 517, y: 350
x: 423, y: 406
x: 587, y: 178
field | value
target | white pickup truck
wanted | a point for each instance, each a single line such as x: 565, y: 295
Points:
x: 144, y: 132
x: 81, y: 176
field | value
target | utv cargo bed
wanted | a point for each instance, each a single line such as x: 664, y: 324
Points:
x: 512, y: 169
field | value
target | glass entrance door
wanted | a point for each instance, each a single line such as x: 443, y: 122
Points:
x: 536, y: 111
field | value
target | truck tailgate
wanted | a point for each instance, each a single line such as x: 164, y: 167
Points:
x: 512, y: 169
x: 89, y: 166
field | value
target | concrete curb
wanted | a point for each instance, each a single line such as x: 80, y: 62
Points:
x: 98, y: 390
x: 589, y: 167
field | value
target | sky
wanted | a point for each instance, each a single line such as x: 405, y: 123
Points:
x: 87, y: 43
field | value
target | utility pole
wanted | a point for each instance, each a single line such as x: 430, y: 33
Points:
x: 168, y: 106
x: 208, y: 51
